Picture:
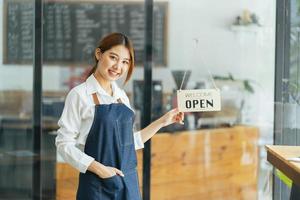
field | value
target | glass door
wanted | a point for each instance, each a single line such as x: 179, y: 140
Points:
x: 71, y: 33
x: 287, y: 90
x: 214, y: 155
x: 16, y: 95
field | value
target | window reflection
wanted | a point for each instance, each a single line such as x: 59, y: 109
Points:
x: 216, y: 155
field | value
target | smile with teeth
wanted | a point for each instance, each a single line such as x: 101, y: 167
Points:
x: 113, y: 73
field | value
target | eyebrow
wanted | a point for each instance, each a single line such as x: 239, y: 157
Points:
x: 118, y: 56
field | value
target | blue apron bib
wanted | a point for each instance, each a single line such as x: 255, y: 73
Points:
x: 110, y: 141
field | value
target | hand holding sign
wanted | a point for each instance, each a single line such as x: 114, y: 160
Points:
x: 173, y: 116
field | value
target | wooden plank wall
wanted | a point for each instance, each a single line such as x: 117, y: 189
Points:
x: 203, y: 164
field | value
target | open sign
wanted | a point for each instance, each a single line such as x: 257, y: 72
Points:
x: 203, y: 100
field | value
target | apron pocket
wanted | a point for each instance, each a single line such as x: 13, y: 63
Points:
x: 94, y: 187
x: 111, y: 184
x: 125, y: 132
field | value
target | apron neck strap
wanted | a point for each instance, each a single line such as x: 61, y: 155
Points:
x: 97, y: 102
x: 119, y: 100
x: 95, y: 98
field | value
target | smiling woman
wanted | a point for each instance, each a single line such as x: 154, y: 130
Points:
x: 118, y: 48
x: 96, y: 127
x: 114, y: 63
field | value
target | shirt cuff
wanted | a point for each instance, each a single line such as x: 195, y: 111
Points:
x: 85, y: 162
x: 138, y: 142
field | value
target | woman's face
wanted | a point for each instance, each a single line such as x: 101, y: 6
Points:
x: 113, y: 63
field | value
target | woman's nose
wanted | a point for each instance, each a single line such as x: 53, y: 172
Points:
x: 118, y: 65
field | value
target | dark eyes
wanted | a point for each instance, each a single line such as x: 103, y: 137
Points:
x: 116, y: 58
x: 113, y: 57
x: 126, y: 62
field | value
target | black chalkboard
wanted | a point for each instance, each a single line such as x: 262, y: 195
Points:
x: 71, y: 30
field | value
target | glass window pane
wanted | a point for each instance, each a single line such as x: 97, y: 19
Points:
x: 216, y: 155
x: 16, y: 80
x: 72, y: 32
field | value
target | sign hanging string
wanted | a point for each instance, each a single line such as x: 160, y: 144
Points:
x: 210, y: 75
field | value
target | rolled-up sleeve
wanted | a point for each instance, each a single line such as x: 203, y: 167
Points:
x: 69, y: 126
x: 138, y: 142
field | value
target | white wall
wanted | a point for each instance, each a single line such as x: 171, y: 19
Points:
x: 247, y: 55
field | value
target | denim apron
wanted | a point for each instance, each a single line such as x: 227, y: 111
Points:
x: 110, y: 141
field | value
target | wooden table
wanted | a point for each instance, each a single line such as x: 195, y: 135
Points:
x: 278, y: 157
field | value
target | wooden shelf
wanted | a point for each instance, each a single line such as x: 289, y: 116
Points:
x: 244, y: 28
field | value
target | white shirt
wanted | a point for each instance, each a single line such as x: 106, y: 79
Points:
x: 77, y: 118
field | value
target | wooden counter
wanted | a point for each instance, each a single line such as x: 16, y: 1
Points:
x: 202, y: 164
x: 278, y: 155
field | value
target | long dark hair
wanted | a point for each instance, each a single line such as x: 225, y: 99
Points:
x: 110, y: 41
